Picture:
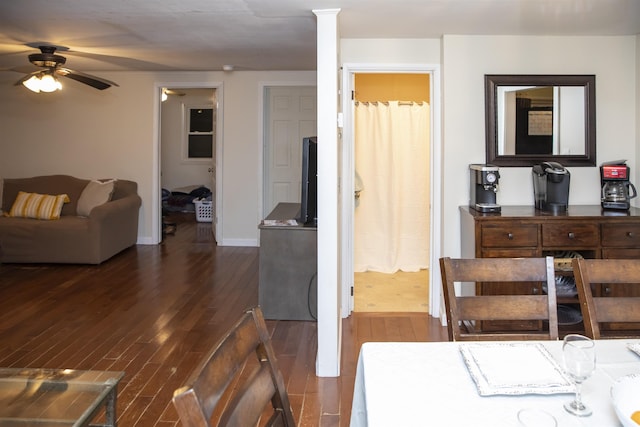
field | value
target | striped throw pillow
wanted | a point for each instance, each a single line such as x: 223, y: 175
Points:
x: 38, y: 206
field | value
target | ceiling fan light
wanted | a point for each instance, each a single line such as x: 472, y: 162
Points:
x: 49, y: 83
x: 32, y: 83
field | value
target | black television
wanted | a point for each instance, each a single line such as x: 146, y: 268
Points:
x: 309, y: 191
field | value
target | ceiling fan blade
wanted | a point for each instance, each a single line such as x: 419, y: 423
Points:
x: 88, y: 79
x: 25, y: 69
x: 119, y: 61
x: 7, y: 59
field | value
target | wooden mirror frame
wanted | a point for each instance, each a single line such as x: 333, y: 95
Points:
x: 492, y: 81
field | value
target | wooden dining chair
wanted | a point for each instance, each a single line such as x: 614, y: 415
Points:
x: 609, y: 294
x: 236, y: 381
x: 467, y: 314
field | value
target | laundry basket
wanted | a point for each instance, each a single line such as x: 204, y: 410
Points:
x: 204, y: 210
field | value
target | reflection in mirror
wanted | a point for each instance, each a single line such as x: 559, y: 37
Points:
x: 530, y: 120
x: 540, y: 118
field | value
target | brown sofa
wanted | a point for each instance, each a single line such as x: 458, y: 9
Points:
x: 108, y: 229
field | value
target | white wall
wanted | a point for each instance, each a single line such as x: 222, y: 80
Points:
x: 390, y: 51
x: 80, y: 131
x: 88, y: 133
x: 466, y: 59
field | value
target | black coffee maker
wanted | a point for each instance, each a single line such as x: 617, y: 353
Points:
x: 483, y: 187
x: 617, y: 191
x: 551, y: 187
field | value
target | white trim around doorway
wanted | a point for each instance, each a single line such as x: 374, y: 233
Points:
x: 348, y: 71
x: 156, y: 235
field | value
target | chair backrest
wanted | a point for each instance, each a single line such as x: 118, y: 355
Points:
x: 236, y: 381
x: 465, y: 312
x: 610, y: 303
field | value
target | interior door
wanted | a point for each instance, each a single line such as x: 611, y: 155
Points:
x: 290, y: 115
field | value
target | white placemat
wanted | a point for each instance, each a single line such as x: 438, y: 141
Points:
x: 514, y: 368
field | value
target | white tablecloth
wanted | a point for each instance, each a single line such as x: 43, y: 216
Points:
x: 428, y: 384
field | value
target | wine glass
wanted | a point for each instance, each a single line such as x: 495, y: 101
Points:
x: 580, y: 362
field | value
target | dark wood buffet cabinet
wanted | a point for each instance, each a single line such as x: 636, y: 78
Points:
x: 523, y: 231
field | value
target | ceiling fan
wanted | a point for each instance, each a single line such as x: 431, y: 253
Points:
x: 53, y: 67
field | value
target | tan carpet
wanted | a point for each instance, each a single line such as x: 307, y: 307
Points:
x: 398, y: 292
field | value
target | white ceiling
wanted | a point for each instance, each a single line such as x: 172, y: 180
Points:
x: 147, y: 35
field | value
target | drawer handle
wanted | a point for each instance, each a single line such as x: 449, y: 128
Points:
x: 630, y: 234
x: 510, y: 236
x: 571, y: 235
x: 534, y: 291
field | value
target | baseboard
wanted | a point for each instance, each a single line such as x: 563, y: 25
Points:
x: 239, y: 242
x: 142, y: 240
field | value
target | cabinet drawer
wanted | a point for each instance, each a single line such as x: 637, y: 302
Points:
x: 621, y: 235
x: 523, y: 252
x: 570, y: 234
x: 506, y: 236
x: 623, y: 253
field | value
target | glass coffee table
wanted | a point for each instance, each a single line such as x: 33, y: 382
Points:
x: 58, y: 397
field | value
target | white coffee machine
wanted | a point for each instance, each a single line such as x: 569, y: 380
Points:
x: 483, y: 181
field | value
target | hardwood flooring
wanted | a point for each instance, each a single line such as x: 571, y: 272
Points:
x: 153, y: 312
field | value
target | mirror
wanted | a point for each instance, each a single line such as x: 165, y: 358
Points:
x: 537, y: 118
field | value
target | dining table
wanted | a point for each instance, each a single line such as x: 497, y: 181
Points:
x: 483, y: 383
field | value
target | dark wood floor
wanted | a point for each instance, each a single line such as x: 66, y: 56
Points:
x: 153, y: 311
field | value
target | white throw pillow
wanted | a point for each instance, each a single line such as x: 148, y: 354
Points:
x: 94, y: 194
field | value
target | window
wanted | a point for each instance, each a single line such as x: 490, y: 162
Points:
x: 200, y: 132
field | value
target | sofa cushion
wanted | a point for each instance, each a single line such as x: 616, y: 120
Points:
x: 66, y: 240
x: 47, y: 184
x: 38, y: 206
x: 95, y: 194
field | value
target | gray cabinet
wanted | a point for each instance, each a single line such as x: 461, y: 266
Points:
x: 288, y: 265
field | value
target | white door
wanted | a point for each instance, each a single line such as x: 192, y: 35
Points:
x: 290, y: 115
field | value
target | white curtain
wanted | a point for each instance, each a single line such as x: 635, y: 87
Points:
x: 392, y: 159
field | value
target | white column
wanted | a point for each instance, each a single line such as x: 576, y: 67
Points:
x: 329, y: 319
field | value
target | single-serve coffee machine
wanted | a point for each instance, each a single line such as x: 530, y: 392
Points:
x: 617, y: 191
x: 483, y: 187
x: 551, y: 187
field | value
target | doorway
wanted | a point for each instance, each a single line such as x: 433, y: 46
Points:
x: 349, y: 72
x: 190, y: 129
x: 391, y: 214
